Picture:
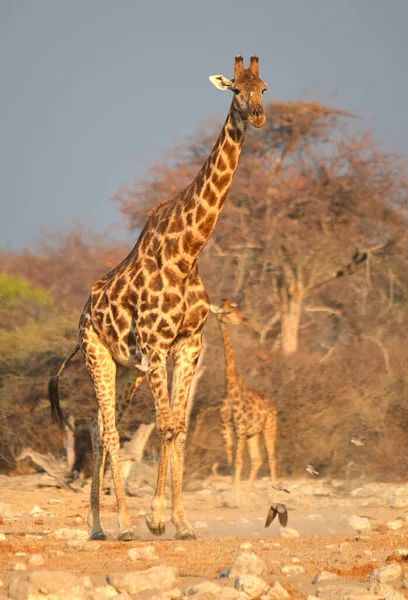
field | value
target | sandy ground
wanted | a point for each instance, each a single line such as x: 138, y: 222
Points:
x: 318, y: 511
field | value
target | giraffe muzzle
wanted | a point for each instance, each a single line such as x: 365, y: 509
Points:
x: 257, y: 116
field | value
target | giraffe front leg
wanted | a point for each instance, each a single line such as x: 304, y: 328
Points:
x: 166, y: 425
x: 239, y: 461
x: 186, y: 358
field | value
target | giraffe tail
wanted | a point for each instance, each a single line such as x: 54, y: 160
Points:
x: 56, y: 412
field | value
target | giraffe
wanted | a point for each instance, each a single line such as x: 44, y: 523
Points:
x: 246, y: 412
x: 152, y: 306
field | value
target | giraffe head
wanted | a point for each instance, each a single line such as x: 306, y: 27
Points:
x: 229, y: 312
x: 248, y: 88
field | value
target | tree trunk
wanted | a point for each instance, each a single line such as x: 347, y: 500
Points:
x: 291, y: 312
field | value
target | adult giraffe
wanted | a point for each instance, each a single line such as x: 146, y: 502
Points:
x: 154, y: 305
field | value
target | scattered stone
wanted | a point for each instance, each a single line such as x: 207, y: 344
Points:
x: 225, y: 572
x: 247, y: 564
x: 36, y: 560
x: 2, y: 537
x: 71, y: 534
x: 394, y: 525
x: 207, y: 590
x: 246, y: 546
x: 170, y: 595
x: 323, y: 576
x: 41, y: 584
x: 277, y: 592
x: 20, y: 554
x: 292, y: 569
x: 55, y: 501
x: 179, y: 549
x: 244, y: 522
x: 345, y: 591
x: 386, y: 591
x: 315, y: 517
x: 107, y: 592
x: 200, y: 525
x: 386, y: 574
x: 36, y: 510
x: 5, y: 509
x: 159, y: 578
x: 143, y: 553
x: 142, y: 513
x: 295, y: 559
x: 402, y: 552
x: 288, y: 532
x: 358, y: 523
x: 20, y: 567
x: 252, y: 585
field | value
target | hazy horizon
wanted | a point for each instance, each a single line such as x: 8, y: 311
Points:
x: 94, y: 91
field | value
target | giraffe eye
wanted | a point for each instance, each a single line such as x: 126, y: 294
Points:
x: 264, y: 90
x: 235, y: 90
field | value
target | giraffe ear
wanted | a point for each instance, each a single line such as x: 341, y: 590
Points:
x: 221, y: 82
x: 214, y: 309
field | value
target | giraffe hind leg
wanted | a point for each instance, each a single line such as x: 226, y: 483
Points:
x: 110, y: 393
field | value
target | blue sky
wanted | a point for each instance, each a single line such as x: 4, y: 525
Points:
x: 94, y: 90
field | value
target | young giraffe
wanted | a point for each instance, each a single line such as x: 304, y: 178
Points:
x: 154, y: 305
x: 246, y: 412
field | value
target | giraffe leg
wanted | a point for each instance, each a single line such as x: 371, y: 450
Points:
x: 256, y: 462
x: 105, y: 437
x: 239, y: 461
x: 166, y: 426
x: 186, y: 358
x: 270, y: 432
x: 99, y: 449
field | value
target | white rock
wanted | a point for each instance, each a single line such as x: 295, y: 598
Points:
x: 295, y: 560
x: 386, y: 574
x: 246, y: 546
x: 394, y: 525
x: 71, y: 534
x: 107, y: 591
x: 402, y: 551
x: 42, y: 584
x: 386, y: 591
x: 142, y: 513
x: 5, y: 509
x: 36, y: 510
x: 324, y: 576
x: 2, y: 537
x: 160, y: 578
x: 179, y: 549
x: 169, y: 595
x: 288, y: 532
x: 252, y: 585
x: 55, y: 501
x: 315, y: 517
x: 277, y: 592
x: 36, y: 560
x: 292, y: 569
x: 200, y: 525
x: 358, y: 523
x: 20, y: 567
x: 20, y: 554
x: 247, y: 564
x: 244, y: 522
x: 205, y: 589
x: 143, y: 553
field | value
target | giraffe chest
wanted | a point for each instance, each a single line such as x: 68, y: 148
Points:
x: 134, y: 324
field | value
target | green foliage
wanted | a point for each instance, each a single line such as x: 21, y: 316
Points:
x: 16, y: 292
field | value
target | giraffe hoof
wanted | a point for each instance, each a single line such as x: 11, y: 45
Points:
x: 157, y: 528
x: 127, y: 536
x: 99, y: 535
x: 186, y: 535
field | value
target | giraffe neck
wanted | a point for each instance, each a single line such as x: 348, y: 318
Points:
x: 199, y: 205
x: 231, y: 372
